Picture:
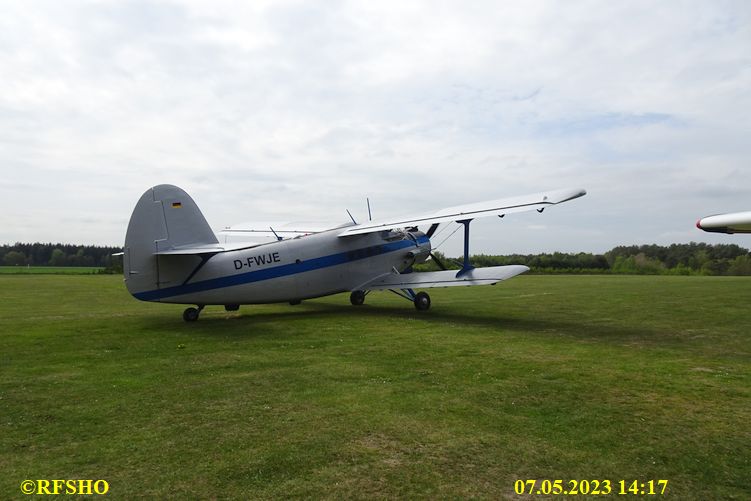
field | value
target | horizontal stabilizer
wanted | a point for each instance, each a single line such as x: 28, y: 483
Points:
x: 197, y: 250
x: 447, y: 278
x: 500, y: 207
x: 278, y: 228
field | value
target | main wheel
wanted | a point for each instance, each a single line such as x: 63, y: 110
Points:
x: 190, y: 314
x: 357, y: 298
x: 422, y: 301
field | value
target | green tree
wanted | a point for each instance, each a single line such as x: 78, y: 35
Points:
x: 741, y: 265
x: 624, y: 265
x: 698, y: 260
x: 14, y: 258
x: 648, y: 265
x: 715, y: 267
x: 58, y: 258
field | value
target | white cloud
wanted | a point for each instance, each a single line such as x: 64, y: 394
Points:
x: 298, y: 111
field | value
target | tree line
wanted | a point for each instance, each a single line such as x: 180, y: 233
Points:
x: 676, y: 259
x: 49, y: 254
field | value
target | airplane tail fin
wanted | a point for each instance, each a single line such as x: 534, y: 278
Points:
x: 165, y: 218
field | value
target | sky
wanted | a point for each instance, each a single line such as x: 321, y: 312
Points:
x: 299, y: 110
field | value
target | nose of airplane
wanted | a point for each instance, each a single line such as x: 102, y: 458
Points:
x: 422, y: 244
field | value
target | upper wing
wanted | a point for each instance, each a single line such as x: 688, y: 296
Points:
x: 470, y: 211
x: 735, y: 222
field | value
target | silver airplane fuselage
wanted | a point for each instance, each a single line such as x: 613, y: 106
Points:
x: 287, y: 270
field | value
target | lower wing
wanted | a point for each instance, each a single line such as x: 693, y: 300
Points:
x: 448, y: 278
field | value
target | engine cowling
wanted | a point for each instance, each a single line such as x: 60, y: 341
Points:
x: 422, y: 249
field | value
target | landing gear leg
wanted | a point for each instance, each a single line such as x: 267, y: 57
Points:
x: 191, y: 314
x: 422, y: 301
x: 357, y: 298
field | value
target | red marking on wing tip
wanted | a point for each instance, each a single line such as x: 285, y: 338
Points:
x: 698, y: 224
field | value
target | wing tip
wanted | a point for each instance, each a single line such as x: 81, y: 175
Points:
x: 563, y: 195
x: 577, y: 193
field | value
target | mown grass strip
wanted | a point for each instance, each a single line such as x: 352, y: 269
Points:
x: 580, y: 377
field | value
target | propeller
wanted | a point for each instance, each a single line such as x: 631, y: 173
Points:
x: 430, y: 233
x: 438, y: 262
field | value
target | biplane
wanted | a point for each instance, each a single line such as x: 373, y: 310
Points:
x: 171, y: 255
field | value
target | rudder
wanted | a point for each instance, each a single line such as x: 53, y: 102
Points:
x: 165, y: 218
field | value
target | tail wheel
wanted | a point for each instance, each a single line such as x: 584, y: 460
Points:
x: 357, y: 298
x: 422, y: 301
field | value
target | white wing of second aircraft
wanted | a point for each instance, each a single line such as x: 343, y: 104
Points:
x: 500, y: 208
x: 734, y: 222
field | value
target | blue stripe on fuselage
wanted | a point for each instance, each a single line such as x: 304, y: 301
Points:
x: 278, y: 271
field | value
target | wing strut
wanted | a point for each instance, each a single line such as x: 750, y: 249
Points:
x: 466, y: 267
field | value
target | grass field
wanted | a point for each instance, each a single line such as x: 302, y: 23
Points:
x: 49, y: 270
x: 542, y: 377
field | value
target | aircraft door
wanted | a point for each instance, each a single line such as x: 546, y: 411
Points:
x: 319, y: 270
